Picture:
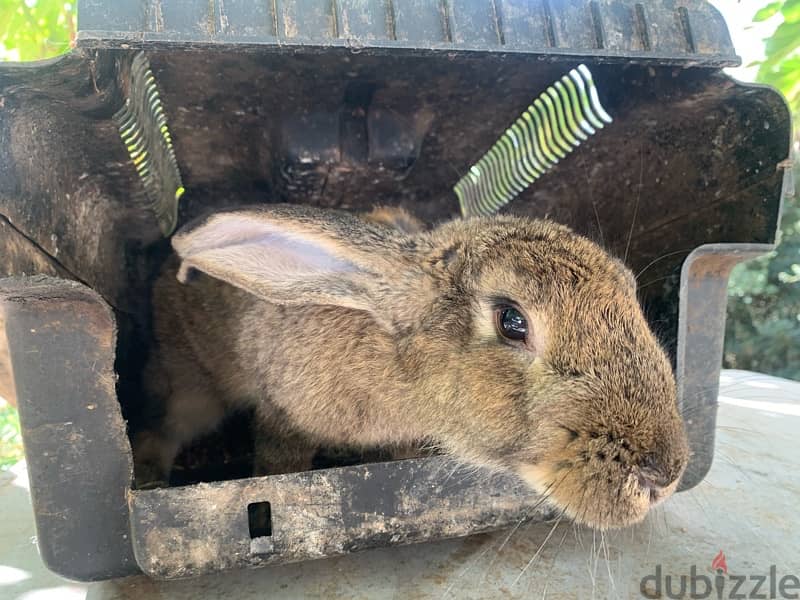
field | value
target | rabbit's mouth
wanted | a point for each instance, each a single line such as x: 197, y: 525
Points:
x: 598, y: 501
x: 606, y: 496
x: 656, y: 492
x: 609, y: 470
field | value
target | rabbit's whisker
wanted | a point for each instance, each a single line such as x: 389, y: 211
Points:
x: 604, y: 545
x: 589, y: 190
x: 541, y: 547
x: 636, y: 204
x: 659, y: 259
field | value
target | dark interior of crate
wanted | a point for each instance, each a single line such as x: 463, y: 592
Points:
x: 680, y: 166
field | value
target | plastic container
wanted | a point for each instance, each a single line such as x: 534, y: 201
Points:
x: 339, y: 104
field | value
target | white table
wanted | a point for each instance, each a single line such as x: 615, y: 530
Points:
x: 747, y: 507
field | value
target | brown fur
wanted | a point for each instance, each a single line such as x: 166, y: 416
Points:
x: 399, y: 345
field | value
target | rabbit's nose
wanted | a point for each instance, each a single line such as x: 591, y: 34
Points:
x: 656, y: 474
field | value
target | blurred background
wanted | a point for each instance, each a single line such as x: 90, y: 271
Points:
x: 763, y: 326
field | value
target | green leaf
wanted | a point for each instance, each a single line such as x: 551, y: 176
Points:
x: 782, y: 44
x: 791, y: 11
x: 767, y: 11
x: 40, y: 31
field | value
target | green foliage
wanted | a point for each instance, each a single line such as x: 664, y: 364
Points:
x: 763, y: 327
x: 767, y: 12
x: 781, y: 67
x: 35, y: 29
x: 10, y: 438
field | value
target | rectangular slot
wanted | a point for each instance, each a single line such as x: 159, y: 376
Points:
x: 259, y: 519
x: 259, y: 524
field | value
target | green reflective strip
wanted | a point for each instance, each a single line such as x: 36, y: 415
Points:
x: 531, y: 142
x: 556, y: 122
x: 587, y: 76
x: 572, y: 123
x: 523, y: 155
x: 561, y: 113
x: 494, y: 178
x: 569, y: 84
x: 586, y: 102
x: 508, y: 166
x: 518, y: 173
x: 143, y: 129
x: 544, y: 133
x: 553, y: 121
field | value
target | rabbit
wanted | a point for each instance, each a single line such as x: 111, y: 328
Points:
x: 513, y: 344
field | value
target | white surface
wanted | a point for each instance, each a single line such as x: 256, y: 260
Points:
x: 747, y: 507
x: 747, y: 37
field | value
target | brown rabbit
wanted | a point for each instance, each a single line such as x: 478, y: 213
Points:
x: 512, y: 344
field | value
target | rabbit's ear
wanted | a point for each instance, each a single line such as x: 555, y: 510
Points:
x: 290, y: 255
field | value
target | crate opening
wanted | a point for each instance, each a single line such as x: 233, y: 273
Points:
x: 352, y: 131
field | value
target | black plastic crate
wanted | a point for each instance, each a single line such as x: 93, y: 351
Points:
x: 339, y: 104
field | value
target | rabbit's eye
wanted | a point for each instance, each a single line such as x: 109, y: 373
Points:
x: 511, y: 324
